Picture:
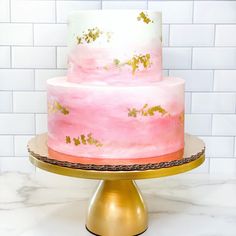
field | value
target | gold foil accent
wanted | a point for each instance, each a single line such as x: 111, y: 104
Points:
x: 146, y: 111
x: 92, y: 35
x: 55, y: 107
x: 134, y: 62
x: 181, y: 118
x: 144, y: 17
x: 116, y: 62
x: 76, y: 141
x: 82, y: 139
x: 68, y: 140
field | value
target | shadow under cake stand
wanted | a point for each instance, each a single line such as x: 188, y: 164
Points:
x: 117, y: 207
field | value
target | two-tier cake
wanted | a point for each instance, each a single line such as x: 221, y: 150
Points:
x: 114, y: 106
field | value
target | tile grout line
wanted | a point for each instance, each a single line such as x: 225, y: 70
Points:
x: 193, y: 6
x: 56, y: 24
x: 185, y: 46
x: 13, y: 139
x: 63, y: 68
x: 10, y: 11
x: 55, y: 6
x: 187, y: 91
x: 33, y: 30
x: 212, y: 117
x: 201, y: 135
x: 195, y: 113
x: 191, y: 100
x: 56, y: 61
x: 169, y: 36
x: 214, y: 44
x: 164, y: 23
x: 234, y: 147
x: 34, y: 84
x: 64, y: 23
x: 209, y: 165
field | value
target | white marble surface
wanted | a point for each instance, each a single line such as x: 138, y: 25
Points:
x: 45, y: 204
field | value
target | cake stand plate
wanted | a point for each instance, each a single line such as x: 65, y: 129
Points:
x: 117, y: 207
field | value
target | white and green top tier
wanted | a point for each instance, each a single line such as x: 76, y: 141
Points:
x: 115, y: 46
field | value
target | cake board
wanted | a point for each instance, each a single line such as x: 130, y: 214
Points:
x: 117, y: 206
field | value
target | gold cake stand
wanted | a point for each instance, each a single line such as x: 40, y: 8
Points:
x: 117, y: 207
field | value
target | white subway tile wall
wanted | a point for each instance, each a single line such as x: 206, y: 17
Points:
x: 33, y: 57
x: 194, y: 35
x: 4, y: 10
x: 199, y: 40
x: 29, y: 102
x: 32, y: 11
x: 41, y: 123
x: 5, y: 58
x: 20, y: 142
x: 62, y: 57
x: 176, y: 58
x: 6, y: 101
x: 50, y: 34
x: 41, y: 77
x: 16, y: 34
x: 214, y: 58
x: 225, y: 35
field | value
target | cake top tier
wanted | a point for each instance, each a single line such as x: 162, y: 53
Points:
x: 115, y: 46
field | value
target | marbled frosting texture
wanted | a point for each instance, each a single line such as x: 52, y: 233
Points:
x: 115, y: 46
x: 110, y: 121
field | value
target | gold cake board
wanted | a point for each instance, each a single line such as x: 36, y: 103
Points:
x: 117, y: 207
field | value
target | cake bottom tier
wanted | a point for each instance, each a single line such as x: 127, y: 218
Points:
x: 114, y: 122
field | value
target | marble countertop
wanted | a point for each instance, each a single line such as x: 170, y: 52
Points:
x: 45, y: 204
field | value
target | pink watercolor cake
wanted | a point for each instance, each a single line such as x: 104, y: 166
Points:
x: 114, y: 106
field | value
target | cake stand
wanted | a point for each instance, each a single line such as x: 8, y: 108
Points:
x: 117, y: 207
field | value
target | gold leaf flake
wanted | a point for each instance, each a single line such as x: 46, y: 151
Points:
x: 157, y: 109
x: 55, y: 107
x: 92, y: 35
x: 68, y: 140
x: 132, y: 112
x: 90, y: 139
x: 144, y: 17
x: 82, y: 139
x: 146, y: 111
x: 135, y: 62
x: 181, y: 118
x: 79, y: 40
x: 116, y: 62
x: 76, y: 141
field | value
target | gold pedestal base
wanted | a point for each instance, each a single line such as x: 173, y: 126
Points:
x: 117, y: 208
